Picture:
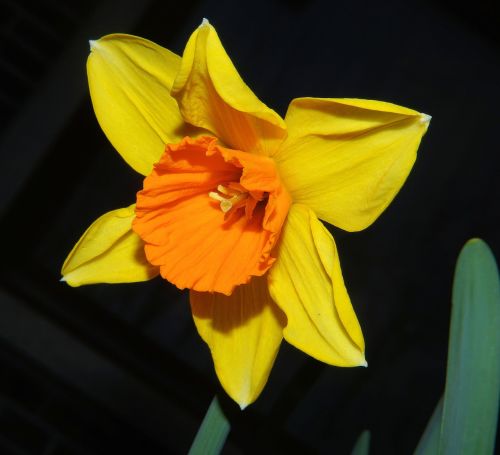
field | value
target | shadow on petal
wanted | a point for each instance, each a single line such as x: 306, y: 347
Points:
x: 225, y: 313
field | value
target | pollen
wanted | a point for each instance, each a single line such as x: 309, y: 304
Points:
x: 229, y: 198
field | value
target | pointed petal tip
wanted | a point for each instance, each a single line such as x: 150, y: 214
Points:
x: 243, y: 406
x: 92, y: 44
x: 425, y: 118
x: 364, y: 363
x: 204, y: 22
x: 68, y: 279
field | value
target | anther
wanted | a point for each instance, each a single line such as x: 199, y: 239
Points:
x: 231, y: 199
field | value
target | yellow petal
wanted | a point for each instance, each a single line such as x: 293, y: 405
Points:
x: 348, y: 158
x: 130, y: 80
x: 306, y: 282
x: 244, y: 332
x: 212, y: 95
x: 108, y: 252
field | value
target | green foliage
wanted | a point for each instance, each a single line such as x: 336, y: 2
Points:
x: 362, y: 446
x: 429, y: 442
x: 465, y: 419
x: 212, y: 433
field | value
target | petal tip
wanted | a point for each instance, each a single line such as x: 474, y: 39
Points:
x: 243, y: 406
x: 204, y: 23
x: 92, y: 44
x: 68, y: 278
x: 364, y: 363
x: 425, y: 118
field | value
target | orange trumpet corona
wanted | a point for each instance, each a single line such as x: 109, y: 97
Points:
x: 210, y: 216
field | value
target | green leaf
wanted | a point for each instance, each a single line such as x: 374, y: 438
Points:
x: 362, y: 446
x: 471, y: 397
x: 429, y: 442
x: 465, y: 419
x: 212, y: 433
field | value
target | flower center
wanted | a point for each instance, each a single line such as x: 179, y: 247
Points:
x: 210, y: 216
x: 229, y: 197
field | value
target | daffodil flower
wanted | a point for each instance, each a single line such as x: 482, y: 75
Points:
x: 232, y: 199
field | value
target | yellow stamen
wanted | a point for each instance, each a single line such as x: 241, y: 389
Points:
x: 227, y: 191
x: 233, y: 199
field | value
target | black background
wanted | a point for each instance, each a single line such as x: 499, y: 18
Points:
x: 120, y: 368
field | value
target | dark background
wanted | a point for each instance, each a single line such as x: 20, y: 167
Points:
x: 120, y: 368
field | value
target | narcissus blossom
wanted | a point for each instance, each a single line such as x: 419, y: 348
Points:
x: 232, y: 199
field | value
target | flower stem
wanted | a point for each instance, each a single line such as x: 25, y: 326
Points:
x: 213, y: 431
